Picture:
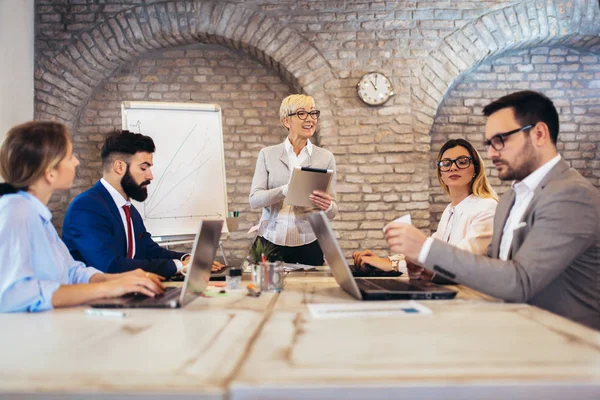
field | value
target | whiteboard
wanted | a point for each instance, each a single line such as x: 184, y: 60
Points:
x: 189, y: 165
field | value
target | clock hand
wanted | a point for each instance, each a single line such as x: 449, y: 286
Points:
x: 374, y: 85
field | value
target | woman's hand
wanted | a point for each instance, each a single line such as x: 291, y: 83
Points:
x: 382, y: 263
x: 367, y: 257
x: 96, y: 278
x: 141, y: 273
x: 320, y: 199
x: 131, y: 282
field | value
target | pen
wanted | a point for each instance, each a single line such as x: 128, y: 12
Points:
x: 97, y: 312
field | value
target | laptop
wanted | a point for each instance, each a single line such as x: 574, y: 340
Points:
x: 364, y: 288
x: 196, y: 281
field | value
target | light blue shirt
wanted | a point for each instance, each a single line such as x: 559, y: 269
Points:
x: 34, y: 261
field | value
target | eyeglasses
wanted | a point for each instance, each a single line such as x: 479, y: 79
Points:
x: 461, y: 162
x: 497, y: 141
x: 314, y: 114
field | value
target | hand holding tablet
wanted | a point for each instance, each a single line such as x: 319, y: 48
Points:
x: 305, y: 181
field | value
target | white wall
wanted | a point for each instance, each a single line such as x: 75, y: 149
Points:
x: 16, y: 62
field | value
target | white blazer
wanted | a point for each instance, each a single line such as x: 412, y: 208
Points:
x: 468, y: 225
x: 271, y: 175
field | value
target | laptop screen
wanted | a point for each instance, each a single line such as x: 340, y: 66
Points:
x: 203, y: 254
x: 333, y: 253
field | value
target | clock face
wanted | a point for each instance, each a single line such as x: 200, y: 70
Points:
x: 375, y: 88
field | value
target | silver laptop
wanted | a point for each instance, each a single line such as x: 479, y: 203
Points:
x: 196, y: 281
x: 363, y: 288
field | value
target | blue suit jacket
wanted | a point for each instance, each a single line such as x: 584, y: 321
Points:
x: 94, y: 233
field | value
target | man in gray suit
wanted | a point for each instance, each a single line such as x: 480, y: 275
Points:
x: 545, y: 248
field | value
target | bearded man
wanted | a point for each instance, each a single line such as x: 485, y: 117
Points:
x: 103, y: 229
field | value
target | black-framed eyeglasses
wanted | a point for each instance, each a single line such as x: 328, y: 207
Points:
x: 314, y: 114
x: 461, y: 162
x: 497, y: 141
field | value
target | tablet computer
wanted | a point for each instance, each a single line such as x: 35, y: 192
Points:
x: 304, y: 181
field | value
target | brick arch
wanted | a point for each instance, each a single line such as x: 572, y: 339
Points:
x: 536, y: 22
x: 66, y: 81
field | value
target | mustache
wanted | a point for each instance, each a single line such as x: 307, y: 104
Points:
x: 145, y: 183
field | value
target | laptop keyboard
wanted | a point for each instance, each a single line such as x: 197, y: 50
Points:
x: 375, y: 273
x: 170, y: 293
x: 386, y: 284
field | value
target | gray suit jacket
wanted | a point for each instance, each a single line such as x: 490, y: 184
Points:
x: 554, y: 261
x: 272, y: 174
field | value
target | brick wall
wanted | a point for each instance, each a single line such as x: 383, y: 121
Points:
x: 248, y: 93
x: 570, y: 77
x: 321, y: 48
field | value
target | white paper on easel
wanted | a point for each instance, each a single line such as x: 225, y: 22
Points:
x: 370, y: 309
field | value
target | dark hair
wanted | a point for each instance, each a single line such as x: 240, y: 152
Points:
x: 124, y: 143
x: 530, y: 108
x: 480, y: 186
x: 28, y: 151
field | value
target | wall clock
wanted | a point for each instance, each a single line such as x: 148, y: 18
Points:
x: 375, y: 88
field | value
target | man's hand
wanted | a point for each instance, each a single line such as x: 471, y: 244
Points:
x: 404, y: 239
x: 320, y: 199
x: 217, y: 266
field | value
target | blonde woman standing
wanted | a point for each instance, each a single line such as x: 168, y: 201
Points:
x: 467, y: 221
x: 285, y: 227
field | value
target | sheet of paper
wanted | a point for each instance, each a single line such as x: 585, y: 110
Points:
x: 297, y: 267
x: 405, y: 219
x: 370, y: 309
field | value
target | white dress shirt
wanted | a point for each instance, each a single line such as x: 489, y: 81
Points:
x: 120, y: 201
x: 524, y: 191
x: 285, y: 232
x: 467, y: 225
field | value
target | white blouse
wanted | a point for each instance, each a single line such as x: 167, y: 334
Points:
x: 468, y: 225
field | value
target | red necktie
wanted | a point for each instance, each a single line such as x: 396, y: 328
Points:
x: 129, y: 232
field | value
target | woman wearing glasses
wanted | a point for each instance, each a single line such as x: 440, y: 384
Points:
x: 467, y: 221
x: 282, y: 226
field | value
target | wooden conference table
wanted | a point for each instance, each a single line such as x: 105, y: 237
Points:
x: 239, y: 347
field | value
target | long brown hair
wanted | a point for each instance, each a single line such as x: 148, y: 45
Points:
x: 479, y: 186
x: 29, y: 150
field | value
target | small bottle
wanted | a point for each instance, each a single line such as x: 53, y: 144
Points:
x: 234, y: 278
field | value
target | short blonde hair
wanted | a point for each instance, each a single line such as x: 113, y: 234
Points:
x: 292, y: 103
x: 479, y: 186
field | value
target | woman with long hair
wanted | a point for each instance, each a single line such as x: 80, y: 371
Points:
x: 467, y: 221
x: 37, y: 271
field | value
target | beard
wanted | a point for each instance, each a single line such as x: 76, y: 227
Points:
x: 525, y: 163
x: 132, y: 189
